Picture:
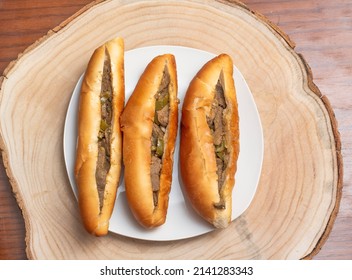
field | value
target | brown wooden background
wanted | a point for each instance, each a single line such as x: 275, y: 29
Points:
x: 322, y: 31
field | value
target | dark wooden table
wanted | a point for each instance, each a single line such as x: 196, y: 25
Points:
x: 322, y: 31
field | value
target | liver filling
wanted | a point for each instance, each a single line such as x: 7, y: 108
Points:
x: 161, y: 121
x: 104, y: 136
x: 216, y: 124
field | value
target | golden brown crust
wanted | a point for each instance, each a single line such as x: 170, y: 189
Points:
x: 136, y: 124
x: 197, y: 154
x: 96, y: 218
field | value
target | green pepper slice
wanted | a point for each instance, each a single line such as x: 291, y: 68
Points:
x: 103, y: 125
x: 160, y: 148
x: 220, y: 147
x: 104, y: 96
x: 156, y: 121
x: 220, y: 155
x: 161, y: 102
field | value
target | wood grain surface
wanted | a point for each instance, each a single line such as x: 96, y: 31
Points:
x: 322, y: 33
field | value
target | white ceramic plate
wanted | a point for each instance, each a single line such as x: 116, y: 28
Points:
x: 181, y: 222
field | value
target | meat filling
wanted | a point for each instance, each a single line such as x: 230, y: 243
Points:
x: 104, y: 136
x: 161, y: 120
x: 216, y: 124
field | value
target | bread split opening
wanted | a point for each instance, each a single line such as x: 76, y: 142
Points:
x: 158, y: 141
x: 216, y: 123
x: 104, y: 136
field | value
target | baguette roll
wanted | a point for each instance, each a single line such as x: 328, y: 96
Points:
x: 209, y: 144
x: 149, y: 125
x: 99, y: 144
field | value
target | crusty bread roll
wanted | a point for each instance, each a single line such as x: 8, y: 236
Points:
x: 209, y: 145
x: 149, y: 126
x: 99, y: 144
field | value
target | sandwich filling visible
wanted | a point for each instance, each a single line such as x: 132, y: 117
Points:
x: 104, y: 136
x: 161, y: 120
x: 216, y: 123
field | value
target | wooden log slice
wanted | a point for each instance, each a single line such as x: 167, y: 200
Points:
x: 300, y: 187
